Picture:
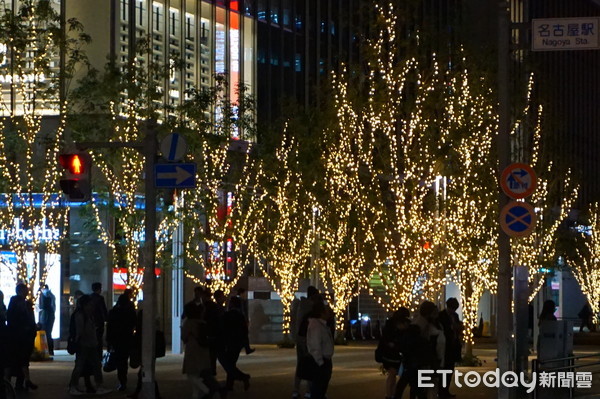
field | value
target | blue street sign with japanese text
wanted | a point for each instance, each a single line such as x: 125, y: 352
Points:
x: 175, y: 175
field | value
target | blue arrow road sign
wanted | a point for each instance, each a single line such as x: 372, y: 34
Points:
x: 175, y: 175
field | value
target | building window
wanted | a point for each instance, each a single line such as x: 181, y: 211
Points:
x: 124, y: 9
x: 173, y: 22
x: 158, y: 15
x: 298, y: 63
x: 190, y: 26
x: 262, y: 10
x: 249, y: 7
x: 287, y: 13
x: 140, y: 12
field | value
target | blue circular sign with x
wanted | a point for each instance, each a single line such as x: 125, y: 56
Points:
x: 517, y: 219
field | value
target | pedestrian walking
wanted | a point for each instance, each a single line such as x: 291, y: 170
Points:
x: 194, y: 308
x: 196, y: 358
x: 48, y: 315
x: 423, y: 347
x: 452, y: 327
x: 86, y: 348
x: 301, y: 309
x: 3, y: 338
x: 21, y: 330
x: 235, y: 332
x: 243, y: 295
x: 120, y: 329
x: 586, y: 315
x: 389, y: 351
x: 319, y: 342
x: 213, y: 316
x: 100, y: 314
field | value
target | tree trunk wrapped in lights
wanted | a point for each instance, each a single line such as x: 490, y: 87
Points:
x: 282, y: 224
x: 586, y: 264
x: 32, y: 40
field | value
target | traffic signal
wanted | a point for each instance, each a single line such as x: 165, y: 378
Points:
x: 77, y: 182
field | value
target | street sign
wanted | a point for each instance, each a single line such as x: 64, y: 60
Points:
x: 565, y: 34
x: 517, y: 219
x: 518, y: 180
x: 173, y: 147
x: 175, y: 175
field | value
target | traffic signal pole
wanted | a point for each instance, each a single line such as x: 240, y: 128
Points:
x: 149, y: 149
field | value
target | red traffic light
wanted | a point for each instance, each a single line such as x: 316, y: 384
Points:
x: 74, y: 163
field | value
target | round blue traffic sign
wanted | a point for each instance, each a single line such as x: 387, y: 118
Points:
x: 517, y: 219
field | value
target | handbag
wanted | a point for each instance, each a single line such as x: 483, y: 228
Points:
x: 71, y: 345
x: 109, y: 361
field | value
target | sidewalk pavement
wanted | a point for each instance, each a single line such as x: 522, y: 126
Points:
x: 355, y: 375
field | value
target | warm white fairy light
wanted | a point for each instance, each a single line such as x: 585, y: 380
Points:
x: 30, y: 167
x: 586, y: 266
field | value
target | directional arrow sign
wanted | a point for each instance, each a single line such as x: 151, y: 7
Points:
x: 518, y: 180
x: 175, y: 175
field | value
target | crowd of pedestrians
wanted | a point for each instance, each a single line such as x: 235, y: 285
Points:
x: 431, y: 340
x: 214, y: 329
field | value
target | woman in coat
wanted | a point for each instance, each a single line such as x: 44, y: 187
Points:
x: 120, y: 329
x: 21, y: 330
x: 196, y: 359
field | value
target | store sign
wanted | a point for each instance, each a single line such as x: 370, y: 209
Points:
x: 38, y: 233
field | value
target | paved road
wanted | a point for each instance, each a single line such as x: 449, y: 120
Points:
x: 355, y: 375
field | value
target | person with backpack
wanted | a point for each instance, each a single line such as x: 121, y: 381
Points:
x: 120, y: 329
x: 85, y: 342
x: 388, y: 350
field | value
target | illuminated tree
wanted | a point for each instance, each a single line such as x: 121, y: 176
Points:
x: 282, y: 224
x: 345, y: 218
x: 401, y: 115
x: 552, y: 200
x: 586, y: 264
x: 470, y: 214
x: 33, y: 88
x: 216, y: 230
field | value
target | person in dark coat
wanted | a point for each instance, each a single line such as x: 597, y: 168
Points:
x: 213, y: 315
x: 389, y: 348
x: 48, y: 315
x: 547, y: 313
x: 86, y: 356
x: 120, y: 329
x: 586, y: 314
x: 100, y: 314
x: 452, y: 327
x: 194, y: 309
x: 235, y: 331
x: 21, y: 329
x: 3, y: 336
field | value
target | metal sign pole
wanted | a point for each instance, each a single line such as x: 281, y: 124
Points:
x: 504, y: 305
x: 149, y: 288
